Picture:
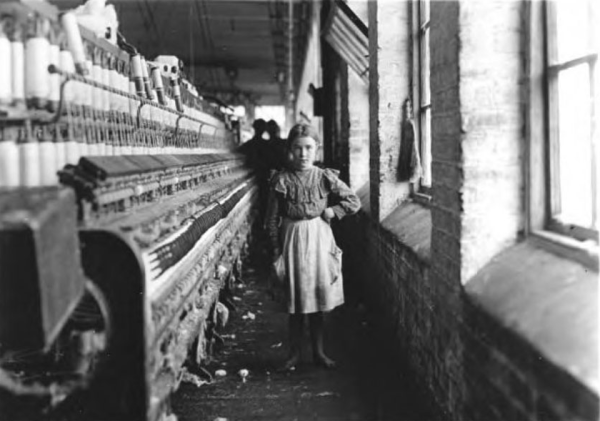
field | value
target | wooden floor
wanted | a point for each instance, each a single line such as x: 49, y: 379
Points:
x: 365, y: 386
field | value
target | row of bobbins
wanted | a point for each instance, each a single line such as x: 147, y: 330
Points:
x: 92, y: 121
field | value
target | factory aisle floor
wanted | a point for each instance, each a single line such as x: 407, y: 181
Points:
x: 363, y: 387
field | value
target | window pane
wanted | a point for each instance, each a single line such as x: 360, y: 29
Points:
x: 423, y: 11
x: 423, y: 112
x: 574, y: 29
x: 424, y: 66
x: 426, y: 146
x: 575, y: 146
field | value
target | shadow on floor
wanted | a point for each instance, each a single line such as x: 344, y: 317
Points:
x: 364, y: 387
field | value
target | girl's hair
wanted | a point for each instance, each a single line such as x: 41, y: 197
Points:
x: 302, y: 130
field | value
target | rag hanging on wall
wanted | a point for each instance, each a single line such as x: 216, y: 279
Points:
x: 409, y: 163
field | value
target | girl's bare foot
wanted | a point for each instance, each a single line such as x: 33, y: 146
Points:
x: 292, y: 361
x: 324, y: 361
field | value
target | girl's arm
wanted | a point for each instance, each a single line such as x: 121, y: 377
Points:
x: 346, y: 201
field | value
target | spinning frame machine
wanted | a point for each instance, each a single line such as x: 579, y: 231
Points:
x: 123, y: 218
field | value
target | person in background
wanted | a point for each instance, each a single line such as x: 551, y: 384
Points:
x: 303, y: 199
x: 277, y: 146
x: 253, y: 148
x: 258, y: 157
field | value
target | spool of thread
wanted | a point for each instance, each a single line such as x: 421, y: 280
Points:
x: 87, y: 147
x: 124, y: 86
x: 74, y: 41
x: 146, y: 79
x: 124, y: 114
x: 116, y: 99
x: 129, y: 119
x: 67, y: 65
x: 48, y: 153
x: 133, y: 104
x: 54, y: 95
x: 89, y: 129
x: 87, y: 93
x: 102, y: 145
x: 6, y: 96
x: 114, y: 80
x: 29, y: 159
x: 108, y: 144
x: 73, y: 148
x: 18, y: 67
x: 97, y: 147
x: 109, y: 149
x: 106, y: 81
x: 137, y: 75
x: 9, y: 158
x: 97, y: 94
x: 74, y: 90
x: 92, y: 149
x: 133, y: 138
x: 37, y: 54
x: 123, y: 109
x: 88, y: 90
x: 158, y: 84
x: 113, y: 107
x: 177, y: 94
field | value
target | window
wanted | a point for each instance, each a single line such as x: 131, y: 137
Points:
x: 422, y: 93
x: 572, y: 116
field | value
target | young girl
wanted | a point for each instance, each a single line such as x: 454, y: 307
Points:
x: 303, y: 199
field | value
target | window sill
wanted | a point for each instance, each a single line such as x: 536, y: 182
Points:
x: 549, y: 301
x: 585, y: 253
x: 422, y: 199
x: 410, y: 224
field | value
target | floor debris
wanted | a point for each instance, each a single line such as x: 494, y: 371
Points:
x: 193, y: 379
x: 249, y: 316
x: 243, y: 373
x: 364, y: 386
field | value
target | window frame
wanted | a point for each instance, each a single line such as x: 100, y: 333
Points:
x: 419, y: 29
x: 553, y: 68
x: 540, y: 166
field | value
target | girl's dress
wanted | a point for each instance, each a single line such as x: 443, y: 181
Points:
x: 312, y: 260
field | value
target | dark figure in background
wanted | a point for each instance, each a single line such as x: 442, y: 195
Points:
x: 258, y: 157
x: 277, y: 146
x: 254, y: 148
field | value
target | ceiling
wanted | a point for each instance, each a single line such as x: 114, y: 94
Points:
x: 236, y: 50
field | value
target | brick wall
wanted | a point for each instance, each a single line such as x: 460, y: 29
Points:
x: 446, y: 209
x: 466, y: 364
x: 465, y: 361
x: 389, y: 86
x: 492, y: 128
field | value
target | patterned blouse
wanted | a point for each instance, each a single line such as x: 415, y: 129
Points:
x: 305, y: 195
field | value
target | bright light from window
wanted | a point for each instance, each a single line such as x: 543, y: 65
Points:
x: 272, y: 112
x: 573, y: 82
x: 575, y: 147
x: 574, y: 34
x: 239, y: 111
